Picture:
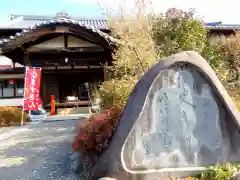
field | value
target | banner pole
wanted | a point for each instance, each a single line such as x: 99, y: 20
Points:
x: 26, y: 68
x: 22, y: 117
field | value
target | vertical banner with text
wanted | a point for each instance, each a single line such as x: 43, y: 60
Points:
x: 32, y: 100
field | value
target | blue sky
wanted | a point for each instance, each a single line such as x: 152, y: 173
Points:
x: 210, y: 10
x: 47, y: 7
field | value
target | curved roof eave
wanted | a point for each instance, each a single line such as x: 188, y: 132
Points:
x: 220, y: 26
x: 223, y: 27
x: 109, y: 39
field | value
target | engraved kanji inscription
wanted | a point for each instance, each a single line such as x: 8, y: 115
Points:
x: 181, y: 110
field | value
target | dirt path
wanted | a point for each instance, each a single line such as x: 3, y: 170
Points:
x: 39, y: 151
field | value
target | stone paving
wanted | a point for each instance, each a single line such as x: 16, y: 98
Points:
x: 38, y: 151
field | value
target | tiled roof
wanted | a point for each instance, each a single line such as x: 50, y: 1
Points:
x: 27, y: 21
x: 220, y: 26
x: 62, y: 21
x: 30, y: 23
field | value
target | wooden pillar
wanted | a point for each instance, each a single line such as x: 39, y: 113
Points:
x: 65, y: 41
x: 105, y: 71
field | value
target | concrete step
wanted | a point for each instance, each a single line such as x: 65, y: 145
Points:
x: 39, y: 118
x: 75, y: 110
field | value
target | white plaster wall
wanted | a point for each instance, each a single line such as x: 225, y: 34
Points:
x: 76, y: 42
x: 11, y: 102
x: 51, y: 44
x: 5, y: 61
x: 11, y: 76
x: 57, y: 43
x: 14, y: 101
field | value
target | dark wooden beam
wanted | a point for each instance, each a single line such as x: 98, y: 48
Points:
x: 58, y: 59
x: 58, y: 56
x: 65, y: 41
x: 13, y: 70
x: 68, y: 50
x: 84, y: 49
x: 73, y: 71
x: 78, y: 62
x: 105, y: 71
x: 26, y: 59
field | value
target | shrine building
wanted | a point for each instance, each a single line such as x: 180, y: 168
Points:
x: 71, y: 52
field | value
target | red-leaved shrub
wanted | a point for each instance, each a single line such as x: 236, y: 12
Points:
x: 93, y: 133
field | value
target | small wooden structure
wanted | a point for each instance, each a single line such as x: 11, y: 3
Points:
x: 219, y: 28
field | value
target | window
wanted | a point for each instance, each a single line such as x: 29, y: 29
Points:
x: 1, y: 90
x: 8, y: 88
x: 11, y: 88
x: 19, y: 87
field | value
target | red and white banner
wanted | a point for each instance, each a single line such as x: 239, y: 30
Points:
x: 32, y: 100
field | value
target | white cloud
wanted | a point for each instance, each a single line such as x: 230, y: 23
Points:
x: 226, y: 11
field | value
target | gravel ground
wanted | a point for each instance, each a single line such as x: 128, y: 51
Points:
x: 42, y: 151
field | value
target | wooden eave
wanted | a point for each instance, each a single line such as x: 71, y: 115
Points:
x: 32, y: 35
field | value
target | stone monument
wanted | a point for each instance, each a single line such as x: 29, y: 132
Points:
x: 178, y: 120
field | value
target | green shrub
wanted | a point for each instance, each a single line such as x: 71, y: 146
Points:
x: 146, y: 39
x: 220, y: 172
x: 117, y: 91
